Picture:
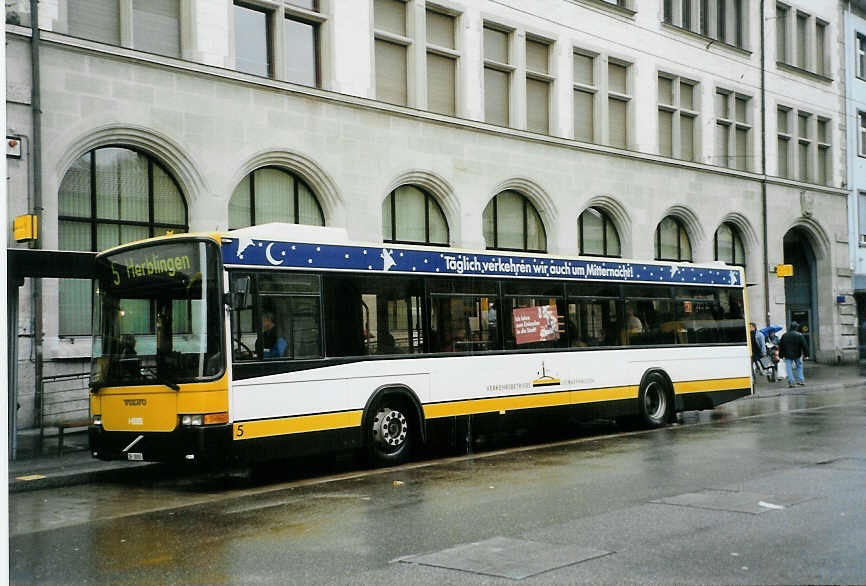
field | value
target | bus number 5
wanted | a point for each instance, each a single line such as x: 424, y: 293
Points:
x: 240, y: 430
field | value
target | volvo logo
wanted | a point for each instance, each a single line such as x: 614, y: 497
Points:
x: 135, y: 402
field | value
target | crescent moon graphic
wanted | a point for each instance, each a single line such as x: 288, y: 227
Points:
x: 271, y: 259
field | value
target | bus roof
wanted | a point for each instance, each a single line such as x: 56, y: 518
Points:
x: 298, y: 247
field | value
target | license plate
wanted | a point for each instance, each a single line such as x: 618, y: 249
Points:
x: 135, y: 456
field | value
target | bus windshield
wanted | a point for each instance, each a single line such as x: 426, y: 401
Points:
x: 157, y: 316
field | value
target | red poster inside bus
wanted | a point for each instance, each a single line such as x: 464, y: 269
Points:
x: 536, y: 324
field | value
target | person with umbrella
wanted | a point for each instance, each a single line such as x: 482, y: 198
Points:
x: 770, y: 334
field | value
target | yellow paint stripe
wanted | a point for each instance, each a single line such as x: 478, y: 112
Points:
x: 717, y: 384
x: 528, y: 401
x: 286, y: 425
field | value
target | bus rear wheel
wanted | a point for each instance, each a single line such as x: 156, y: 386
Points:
x: 391, y: 438
x: 655, y: 401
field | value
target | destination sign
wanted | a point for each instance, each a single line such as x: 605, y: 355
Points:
x: 153, y: 261
x: 376, y: 259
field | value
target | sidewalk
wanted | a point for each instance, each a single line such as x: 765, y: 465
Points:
x: 39, y: 466
x: 819, y: 377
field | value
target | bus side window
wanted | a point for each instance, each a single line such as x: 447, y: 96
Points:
x: 593, y: 322
x: 373, y: 315
x: 289, y: 328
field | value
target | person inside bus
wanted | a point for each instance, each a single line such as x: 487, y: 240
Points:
x: 270, y: 344
x: 128, y: 355
x: 633, y: 322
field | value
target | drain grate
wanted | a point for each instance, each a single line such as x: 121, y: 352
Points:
x: 506, y: 558
x: 731, y: 501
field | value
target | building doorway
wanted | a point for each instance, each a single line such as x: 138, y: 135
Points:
x: 801, y: 291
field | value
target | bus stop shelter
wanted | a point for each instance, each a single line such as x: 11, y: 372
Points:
x: 24, y: 263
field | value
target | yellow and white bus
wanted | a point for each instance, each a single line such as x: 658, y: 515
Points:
x: 278, y: 340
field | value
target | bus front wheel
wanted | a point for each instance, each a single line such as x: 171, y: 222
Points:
x: 390, y: 440
x: 655, y: 401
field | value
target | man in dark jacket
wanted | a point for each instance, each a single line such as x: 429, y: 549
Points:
x: 793, y: 348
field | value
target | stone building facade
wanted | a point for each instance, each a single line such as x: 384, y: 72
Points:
x: 652, y: 115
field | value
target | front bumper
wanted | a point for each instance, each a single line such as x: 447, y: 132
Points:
x: 211, y: 444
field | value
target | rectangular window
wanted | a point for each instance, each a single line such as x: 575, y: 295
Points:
x: 368, y: 316
x: 594, y: 322
x: 390, y: 16
x: 820, y: 48
x: 441, y: 63
x: 783, y: 130
x: 156, y: 26
x: 861, y: 207
x: 618, y: 130
x: 781, y: 33
x: 666, y: 130
x: 676, y: 117
x: 497, y: 76
x: 534, y: 323
x: 686, y: 14
x: 584, y: 97
x: 97, y: 20
x: 283, y: 322
x: 537, y: 106
x: 253, y: 41
x: 722, y: 20
x: 733, y: 132
x: 463, y: 317
x: 649, y: 322
x: 824, y: 164
x: 861, y: 143
x: 687, y: 137
x: 861, y: 56
x: 739, y: 22
x: 391, y: 51
x: 537, y: 86
x: 802, y: 40
x: 301, y: 51
x: 804, y: 147
x: 617, y: 105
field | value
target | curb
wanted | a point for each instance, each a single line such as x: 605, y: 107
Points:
x: 56, y: 478
x: 778, y: 392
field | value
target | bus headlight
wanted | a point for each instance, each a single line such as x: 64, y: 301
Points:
x: 96, y: 419
x: 190, y: 419
x: 205, y: 419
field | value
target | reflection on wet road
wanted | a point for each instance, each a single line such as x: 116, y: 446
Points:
x: 326, y: 520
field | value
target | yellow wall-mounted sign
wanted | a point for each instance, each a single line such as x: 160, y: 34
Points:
x: 784, y: 270
x: 25, y: 228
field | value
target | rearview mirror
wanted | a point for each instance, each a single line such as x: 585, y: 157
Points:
x: 240, y: 296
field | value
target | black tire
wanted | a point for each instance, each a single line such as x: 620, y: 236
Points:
x: 391, y: 432
x: 656, y: 405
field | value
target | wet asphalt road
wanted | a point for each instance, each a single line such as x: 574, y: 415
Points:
x: 769, y: 490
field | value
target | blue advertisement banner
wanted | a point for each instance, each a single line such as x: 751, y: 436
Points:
x: 392, y: 259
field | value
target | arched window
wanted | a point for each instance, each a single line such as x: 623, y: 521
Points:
x: 596, y: 234
x: 411, y: 215
x: 111, y: 196
x: 271, y: 194
x: 728, y: 245
x: 511, y: 222
x: 672, y: 241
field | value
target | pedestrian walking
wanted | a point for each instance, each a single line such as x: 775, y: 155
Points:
x: 793, y: 348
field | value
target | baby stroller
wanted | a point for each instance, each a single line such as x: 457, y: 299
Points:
x: 769, y: 363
